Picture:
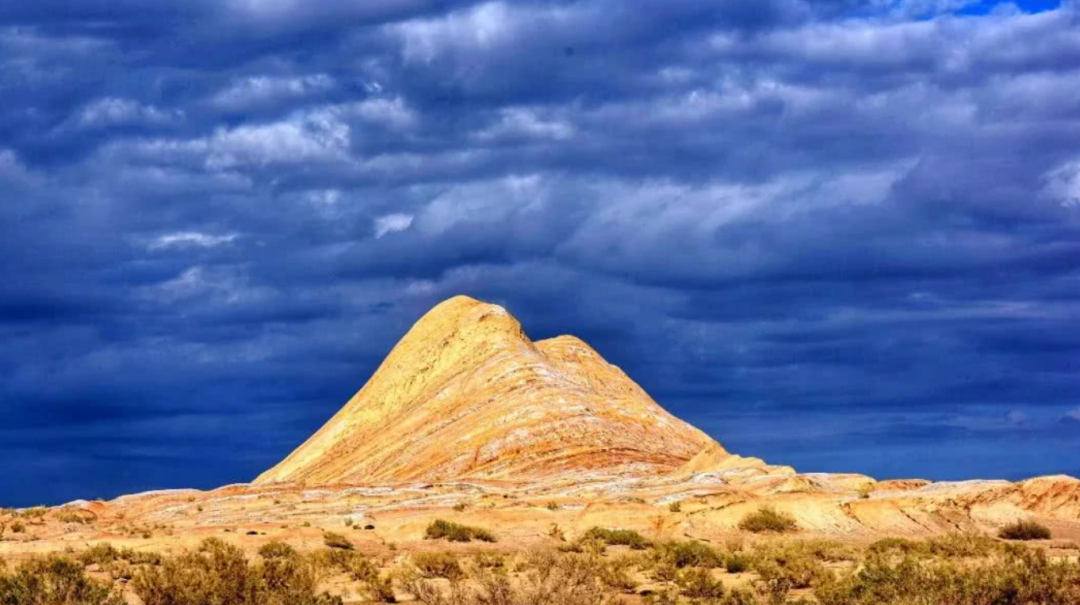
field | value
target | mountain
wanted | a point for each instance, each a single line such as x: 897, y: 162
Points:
x: 465, y: 395
x: 469, y: 420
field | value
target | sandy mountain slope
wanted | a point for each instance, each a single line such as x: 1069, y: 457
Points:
x: 466, y: 395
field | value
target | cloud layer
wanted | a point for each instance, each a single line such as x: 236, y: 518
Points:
x: 839, y: 235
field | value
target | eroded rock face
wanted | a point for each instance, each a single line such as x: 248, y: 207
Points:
x: 466, y: 395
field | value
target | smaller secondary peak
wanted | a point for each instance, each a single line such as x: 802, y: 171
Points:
x: 568, y: 343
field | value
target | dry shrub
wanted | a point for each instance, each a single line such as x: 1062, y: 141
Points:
x: 1016, y: 577
x: 276, y: 549
x: 455, y: 532
x: 740, y: 596
x: 698, y: 583
x: 379, y: 586
x: 688, y: 554
x: 953, y: 546
x: 438, y: 565
x: 617, y: 537
x: 105, y: 554
x: 335, y: 540
x: 829, y: 551
x: 489, y: 560
x: 121, y: 563
x: 1025, y: 530
x: 217, y: 573
x: 766, y: 519
x: 551, y: 579
x: 75, y: 515
x: 54, y: 580
x: 617, y: 572
x: 782, y: 567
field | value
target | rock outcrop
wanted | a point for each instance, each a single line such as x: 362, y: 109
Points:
x: 466, y: 395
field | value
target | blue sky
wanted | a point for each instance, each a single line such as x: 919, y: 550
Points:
x: 839, y: 235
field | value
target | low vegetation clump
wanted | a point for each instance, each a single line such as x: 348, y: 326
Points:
x: 1025, y: 530
x: 219, y: 574
x: 688, y: 553
x: 74, y: 515
x: 358, y: 568
x: 1019, y: 577
x: 962, y: 546
x: 548, y: 579
x: 104, y: 554
x: 784, y: 567
x: 455, y: 532
x: 335, y: 540
x: 438, y: 565
x: 276, y: 549
x: 736, y: 562
x: 956, y: 569
x: 698, y: 583
x: 767, y: 520
x: 617, y: 537
x: 54, y: 580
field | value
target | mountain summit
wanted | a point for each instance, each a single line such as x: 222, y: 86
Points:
x: 466, y: 395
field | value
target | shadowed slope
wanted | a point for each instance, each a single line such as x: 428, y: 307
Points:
x: 466, y: 394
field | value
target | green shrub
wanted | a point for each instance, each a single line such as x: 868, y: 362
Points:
x: 688, y: 554
x: 54, y: 580
x: 617, y: 537
x: 736, y: 563
x: 698, y: 583
x: 675, y: 507
x: 455, y: 532
x: 334, y: 540
x: 766, y: 519
x: 1025, y: 530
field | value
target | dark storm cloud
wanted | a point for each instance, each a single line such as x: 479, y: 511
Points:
x: 839, y: 235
